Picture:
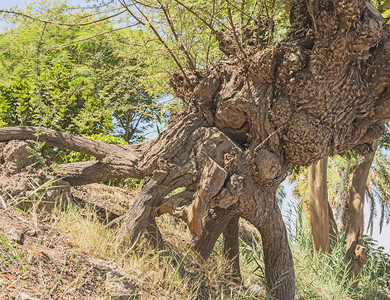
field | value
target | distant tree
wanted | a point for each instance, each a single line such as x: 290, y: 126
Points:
x: 76, y: 79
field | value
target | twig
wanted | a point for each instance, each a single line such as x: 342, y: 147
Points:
x: 242, y: 13
x: 261, y: 7
x: 158, y: 36
x: 271, y: 23
x: 146, y: 5
x: 181, y: 47
x: 59, y: 23
x: 39, y: 48
x: 241, y: 10
x: 251, y: 15
x: 238, y: 42
x: 209, y: 45
x: 216, y: 33
x: 90, y: 37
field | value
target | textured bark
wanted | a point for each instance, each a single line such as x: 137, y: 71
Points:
x: 231, y: 245
x: 354, y: 210
x: 279, y: 267
x: 246, y: 121
x: 214, y: 223
x: 318, y: 202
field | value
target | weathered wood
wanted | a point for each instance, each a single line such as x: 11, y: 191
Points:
x: 212, y: 179
x: 323, y: 89
x: 214, y: 223
x: 141, y: 211
x: 176, y: 205
x: 231, y: 246
x: 59, y: 139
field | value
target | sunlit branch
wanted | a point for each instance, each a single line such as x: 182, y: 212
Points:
x: 90, y: 37
x: 181, y: 47
x: 59, y: 23
x: 158, y: 36
x: 238, y: 42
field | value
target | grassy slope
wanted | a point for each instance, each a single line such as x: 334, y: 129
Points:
x: 177, y: 274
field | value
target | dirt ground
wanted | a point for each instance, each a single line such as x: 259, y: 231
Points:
x: 37, y: 261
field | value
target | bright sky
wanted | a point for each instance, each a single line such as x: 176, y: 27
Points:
x: 383, y: 239
x: 6, y: 4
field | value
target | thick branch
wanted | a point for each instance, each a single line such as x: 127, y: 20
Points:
x: 279, y: 266
x: 356, y: 252
x: 114, y: 161
x: 231, y: 245
x: 318, y: 202
x: 86, y: 172
x: 214, y: 223
x: 57, y: 139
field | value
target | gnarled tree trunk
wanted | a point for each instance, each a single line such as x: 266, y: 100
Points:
x: 246, y: 121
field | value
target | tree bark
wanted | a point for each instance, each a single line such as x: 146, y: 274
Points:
x: 127, y: 129
x: 231, y: 246
x: 214, y: 223
x: 279, y: 266
x: 318, y: 202
x: 356, y: 252
x: 246, y: 122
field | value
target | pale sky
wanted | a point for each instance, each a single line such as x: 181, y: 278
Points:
x: 383, y: 239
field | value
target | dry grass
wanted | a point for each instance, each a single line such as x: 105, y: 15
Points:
x: 177, y: 273
x: 53, y: 263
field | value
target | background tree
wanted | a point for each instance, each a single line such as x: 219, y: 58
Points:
x: 352, y: 179
x: 77, y: 77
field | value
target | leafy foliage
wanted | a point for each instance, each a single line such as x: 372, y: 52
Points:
x: 80, y: 79
x: 327, y: 275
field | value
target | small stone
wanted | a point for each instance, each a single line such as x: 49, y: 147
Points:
x: 23, y: 296
x: 32, y: 233
x: 119, y: 287
x: 117, y: 284
x: 16, y: 236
